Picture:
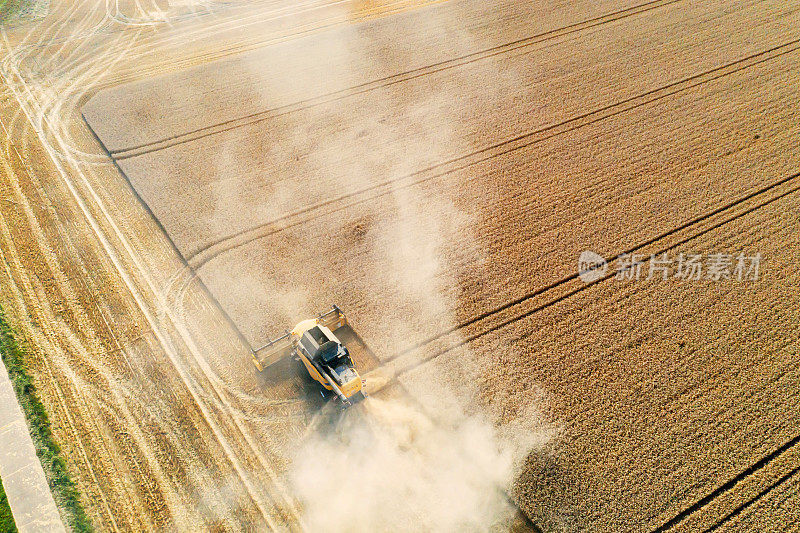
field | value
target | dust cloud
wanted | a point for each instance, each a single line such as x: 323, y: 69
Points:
x: 384, y: 465
x: 388, y: 464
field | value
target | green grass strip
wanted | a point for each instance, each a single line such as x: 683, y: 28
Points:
x: 7, y: 524
x: 63, y: 488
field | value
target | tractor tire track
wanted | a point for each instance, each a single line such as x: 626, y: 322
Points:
x: 403, y: 367
x: 736, y: 512
x: 630, y: 251
x: 415, y: 362
x: 59, y: 392
x: 387, y: 81
x: 274, y: 493
x: 730, y: 484
x: 217, y: 399
x: 31, y: 196
x: 296, y: 218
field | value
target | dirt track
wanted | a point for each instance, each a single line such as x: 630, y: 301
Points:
x: 462, y: 195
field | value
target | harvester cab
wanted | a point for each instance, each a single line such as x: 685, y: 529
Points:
x: 323, y: 355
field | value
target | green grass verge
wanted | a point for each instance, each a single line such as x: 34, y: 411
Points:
x: 7, y: 524
x: 63, y: 488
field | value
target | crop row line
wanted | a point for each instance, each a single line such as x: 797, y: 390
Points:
x: 639, y: 248
x: 383, y: 82
x: 730, y: 484
x: 414, y: 363
x: 736, y: 512
x: 367, y: 194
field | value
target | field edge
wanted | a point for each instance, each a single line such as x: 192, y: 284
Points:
x: 65, y: 492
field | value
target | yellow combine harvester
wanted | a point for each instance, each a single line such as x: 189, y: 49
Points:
x: 323, y: 355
